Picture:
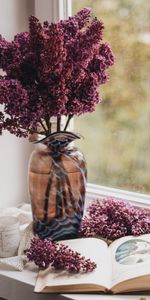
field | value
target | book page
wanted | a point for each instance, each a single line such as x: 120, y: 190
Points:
x: 130, y: 258
x: 93, y: 248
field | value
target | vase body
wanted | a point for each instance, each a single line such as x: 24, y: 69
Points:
x: 57, y: 182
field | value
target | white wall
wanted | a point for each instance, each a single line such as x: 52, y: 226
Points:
x: 14, y: 152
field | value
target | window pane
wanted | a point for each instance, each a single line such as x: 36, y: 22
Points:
x: 117, y: 135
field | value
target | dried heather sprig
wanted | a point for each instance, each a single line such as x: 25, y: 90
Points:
x: 113, y: 218
x: 46, y: 253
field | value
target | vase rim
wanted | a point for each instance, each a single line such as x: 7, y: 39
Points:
x: 71, y: 135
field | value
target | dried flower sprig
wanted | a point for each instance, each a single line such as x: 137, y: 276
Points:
x: 46, y: 253
x: 52, y: 70
x: 113, y: 218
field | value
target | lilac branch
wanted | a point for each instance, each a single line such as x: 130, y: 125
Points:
x: 58, y: 256
x: 52, y: 70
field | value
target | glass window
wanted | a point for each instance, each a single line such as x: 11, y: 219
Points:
x: 117, y: 135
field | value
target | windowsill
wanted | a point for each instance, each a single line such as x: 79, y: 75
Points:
x: 22, y: 283
x: 97, y: 191
x: 21, y: 286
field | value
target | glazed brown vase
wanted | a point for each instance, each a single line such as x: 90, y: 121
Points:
x: 57, y: 183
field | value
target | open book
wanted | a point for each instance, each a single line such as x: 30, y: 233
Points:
x: 122, y: 267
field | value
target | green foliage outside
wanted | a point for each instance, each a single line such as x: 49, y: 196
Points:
x: 117, y: 135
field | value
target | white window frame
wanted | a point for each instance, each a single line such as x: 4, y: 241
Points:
x: 54, y: 10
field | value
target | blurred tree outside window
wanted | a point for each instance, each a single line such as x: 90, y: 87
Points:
x: 116, y: 139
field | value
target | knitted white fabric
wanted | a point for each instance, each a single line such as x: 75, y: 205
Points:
x: 26, y: 227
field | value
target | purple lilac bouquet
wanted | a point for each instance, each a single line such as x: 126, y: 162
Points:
x: 52, y: 70
x: 113, y: 218
x: 46, y: 253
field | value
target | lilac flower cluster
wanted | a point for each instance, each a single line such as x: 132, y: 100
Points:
x: 113, y: 218
x: 52, y: 70
x: 46, y: 253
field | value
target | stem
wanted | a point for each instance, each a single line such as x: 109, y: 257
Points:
x: 67, y: 123
x: 50, y: 126
x: 48, y: 123
x: 47, y: 195
x: 58, y: 123
x: 69, y: 187
x: 59, y: 202
x: 45, y: 129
